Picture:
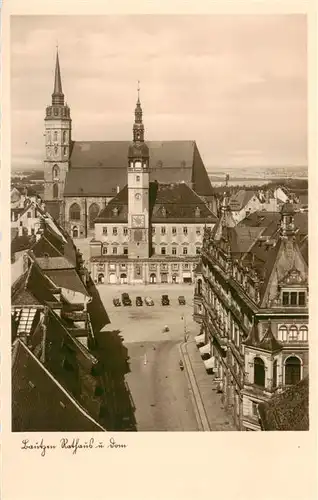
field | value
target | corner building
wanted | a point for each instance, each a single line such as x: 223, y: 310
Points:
x: 150, y: 232
x: 255, y: 311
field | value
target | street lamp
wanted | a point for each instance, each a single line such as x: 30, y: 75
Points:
x: 185, y: 335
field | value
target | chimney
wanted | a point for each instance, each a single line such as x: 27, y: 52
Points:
x: 117, y: 189
x: 20, y: 229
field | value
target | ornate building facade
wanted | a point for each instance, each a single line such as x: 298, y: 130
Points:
x: 255, y: 311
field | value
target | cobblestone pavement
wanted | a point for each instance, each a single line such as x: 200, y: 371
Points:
x: 160, y: 390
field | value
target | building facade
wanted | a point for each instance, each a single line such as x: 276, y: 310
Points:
x: 81, y: 177
x: 150, y: 232
x: 255, y: 313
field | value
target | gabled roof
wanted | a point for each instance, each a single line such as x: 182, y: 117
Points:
x: 240, y: 199
x: 243, y: 238
x: 39, y: 402
x: 67, y: 278
x: 272, y: 220
x: 170, y: 161
x: 20, y: 243
x: 169, y: 203
x: 32, y: 288
x: 288, y: 411
x: 269, y: 342
x: 53, y: 208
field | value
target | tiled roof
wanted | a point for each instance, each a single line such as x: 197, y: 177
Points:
x: 243, y: 238
x: 54, y: 263
x: 53, y: 208
x: 169, y: 203
x: 288, y: 411
x: 269, y: 342
x: 32, y: 288
x: 98, y: 315
x: 170, y: 161
x: 240, y: 199
x: 40, y: 403
x: 67, y: 278
x: 269, y: 219
x: 20, y: 243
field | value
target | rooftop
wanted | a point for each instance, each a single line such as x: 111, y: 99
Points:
x: 169, y: 203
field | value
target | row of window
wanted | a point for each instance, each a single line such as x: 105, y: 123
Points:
x: 55, y: 136
x: 115, y: 231
x: 114, y: 250
x: 163, y: 230
x: 294, y: 298
x: 292, y: 371
x: 293, y: 333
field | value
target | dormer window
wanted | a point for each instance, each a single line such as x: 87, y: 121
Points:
x: 197, y: 212
x: 115, y: 211
x: 294, y: 298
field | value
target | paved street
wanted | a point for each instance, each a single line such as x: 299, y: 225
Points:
x: 158, y: 387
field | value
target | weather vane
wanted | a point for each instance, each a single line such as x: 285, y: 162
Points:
x: 138, y: 88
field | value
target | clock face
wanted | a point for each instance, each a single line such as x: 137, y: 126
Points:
x: 138, y: 220
x: 137, y: 196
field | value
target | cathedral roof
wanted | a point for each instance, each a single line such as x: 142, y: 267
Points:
x: 98, y: 167
x: 169, y: 203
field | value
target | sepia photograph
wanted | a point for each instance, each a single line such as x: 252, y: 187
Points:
x: 159, y: 223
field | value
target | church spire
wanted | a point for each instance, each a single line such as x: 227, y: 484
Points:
x: 57, y: 96
x: 138, y: 128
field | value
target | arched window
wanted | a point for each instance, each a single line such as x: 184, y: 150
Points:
x: 199, y: 289
x: 55, y: 136
x: 75, y: 212
x: 55, y: 190
x: 283, y: 333
x: 75, y: 232
x: 275, y: 374
x: 292, y: 370
x: 259, y: 372
x: 303, y: 333
x: 293, y: 333
x: 92, y: 213
x: 55, y: 172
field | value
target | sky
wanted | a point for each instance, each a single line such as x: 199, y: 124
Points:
x: 236, y: 84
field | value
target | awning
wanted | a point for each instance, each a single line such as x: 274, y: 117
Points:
x: 209, y: 363
x: 186, y: 274
x: 200, y: 339
x: 206, y: 349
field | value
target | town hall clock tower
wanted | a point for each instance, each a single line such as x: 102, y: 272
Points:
x: 138, y: 191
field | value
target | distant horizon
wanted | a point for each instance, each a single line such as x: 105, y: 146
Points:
x: 208, y: 169
x: 237, y: 84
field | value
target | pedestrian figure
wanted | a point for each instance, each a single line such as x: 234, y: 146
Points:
x: 145, y: 359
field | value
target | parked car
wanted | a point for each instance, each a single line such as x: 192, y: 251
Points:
x: 139, y: 301
x: 181, y: 300
x: 126, y: 300
x: 116, y: 302
x: 149, y: 301
x: 165, y: 300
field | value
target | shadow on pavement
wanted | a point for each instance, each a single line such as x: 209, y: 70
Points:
x: 120, y: 412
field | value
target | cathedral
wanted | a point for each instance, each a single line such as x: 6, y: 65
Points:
x: 82, y: 177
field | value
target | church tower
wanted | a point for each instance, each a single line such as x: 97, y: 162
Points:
x: 58, y: 125
x: 138, y: 191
